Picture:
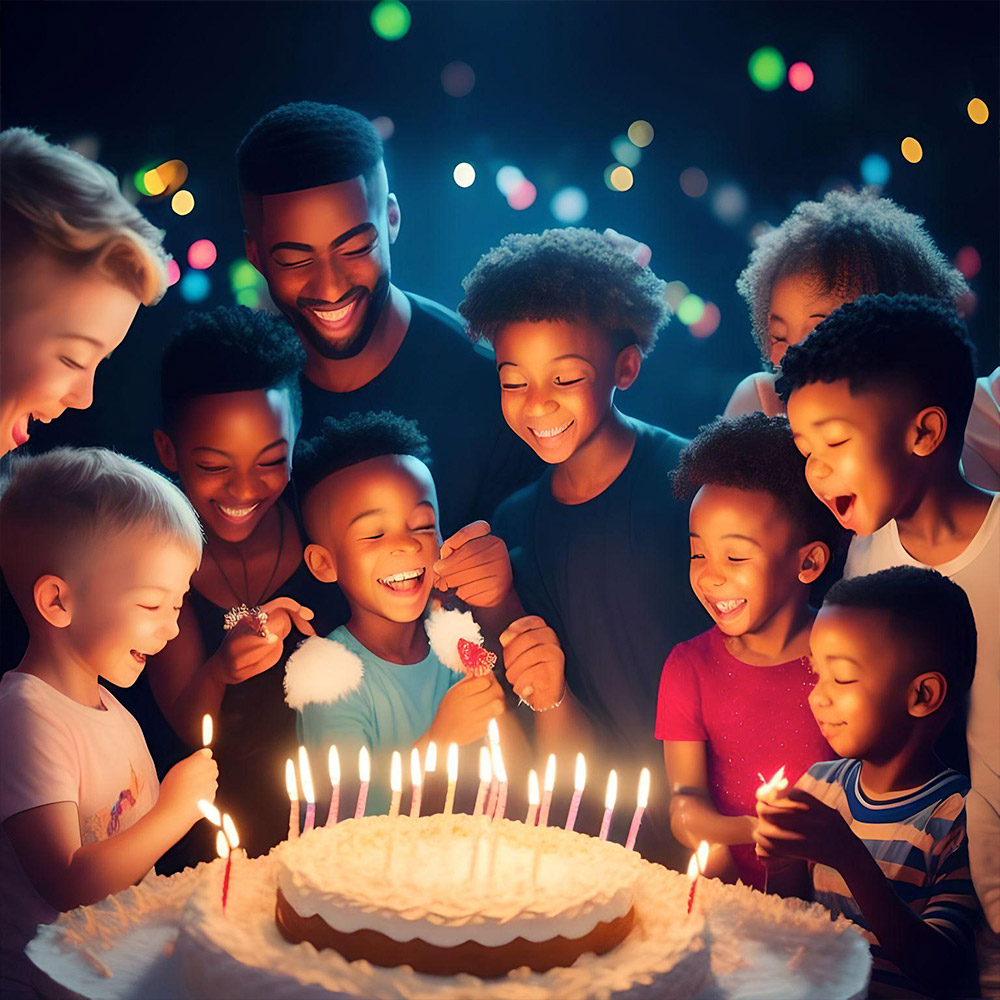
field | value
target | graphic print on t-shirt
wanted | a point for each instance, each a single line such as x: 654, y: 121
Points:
x: 116, y: 817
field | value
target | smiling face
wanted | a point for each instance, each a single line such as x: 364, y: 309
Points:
x: 798, y: 303
x: 746, y: 557
x: 232, y: 451
x: 324, y: 252
x: 375, y: 529
x: 58, y: 323
x: 557, y: 382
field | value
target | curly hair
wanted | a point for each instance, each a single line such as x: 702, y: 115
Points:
x: 229, y: 349
x: 564, y: 274
x: 340, y: 444
x: 928, y: 610
x: 853, y: 243
x: 756, y: 452
x: 911, y: 340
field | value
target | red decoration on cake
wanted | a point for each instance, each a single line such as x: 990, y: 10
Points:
x: 477, y: 661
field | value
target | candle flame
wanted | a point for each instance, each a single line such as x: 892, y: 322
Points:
x: 452, y: 763
x: 206, y: 730
x: 778, y: 782
x: 431, y: 760
x: 305, y: 773
x: 499, y: 769
x: 221, y: 845
x: 580, y: 776
x: 229, y: 828
x: 534, y: 798
x: 364, y: 764
x: 550, y: 773
x: 485, y: 766
x: 416, y: 774
x: 291, y: 785
x: 642, y: 798
x: 333, y: 765
x: 210, y: 812
x: 698, y: 861
x: 493, y: 732
x: 396, y: 772
x: 612, y: 792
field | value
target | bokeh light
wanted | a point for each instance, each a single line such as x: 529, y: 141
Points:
x: 912, y: 151
x: 875, y: 169
x: 641, y: 133
x: 523, y: 196
x: 390, y: 20
x: 464, y: 174
x: 625, y: 151
x: 202, y: 254
x: 978, y: 111
x: 694, y: 182
x: 767, y: 68
x: 458, y: 79
x: 182, y: 202
x: 139, y: 179
x: 508, y: 179
x: 729, y: 203
x: 708, y: 323
x: 966, y: 304
x: 690, y: 309
x: 968, y: 261
x: 173, y: 272
x: 569, y: 205
x: 618, y: 177
x: 153, y: 183
x: 242, y: 274
x: 248, y: 297
x: 674, y: 294
x: 86, y: 145
x: 385, y: 126
x: 757, y: 230
x: 195, y: 286
x: 800, y: 76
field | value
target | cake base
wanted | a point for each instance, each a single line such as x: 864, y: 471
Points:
x: 469, y: 957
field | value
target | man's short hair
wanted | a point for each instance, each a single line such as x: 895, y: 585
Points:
x: 573, y: 275
x: 230, y: 349
x: 57, y: 199
x: 881, y: 340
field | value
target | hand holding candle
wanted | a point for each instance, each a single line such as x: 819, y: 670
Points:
x: 305, y: 773
x: 696, y: 866
x: 395, y: 782
x: 533, y: 798
x: 609, y: 804
x: 548, y: 784
x: 333, y: 766
x: 365, y: 774
x: 416, y: 782
x: 579, y: 783
x: 641, y: 801
x: 292, y: 787
x: 449, y: 798
x: 485, y: 777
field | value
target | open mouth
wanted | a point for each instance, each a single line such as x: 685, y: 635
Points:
x: 842, y: 506
x: 139, y: 658
x: 405, y: 582
x: 25, y: 424
x: 549, y: 433
x: 236, y: 514
x: 728, y: 608
x: 336, y: 320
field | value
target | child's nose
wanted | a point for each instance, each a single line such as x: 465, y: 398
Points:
x: 818, y: 697
x: 170, y: 629
x: 539, y: 403
x: 81, y: 395
x: 711, y: 576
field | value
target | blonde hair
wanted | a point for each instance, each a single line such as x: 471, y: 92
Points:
x: 73, y: 205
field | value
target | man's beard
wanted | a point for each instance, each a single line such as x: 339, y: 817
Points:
x: 376, y: 302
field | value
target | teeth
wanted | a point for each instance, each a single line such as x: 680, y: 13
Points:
x: 239, y: 511
x: 550, y: 433
x: 724, y: 607
x: 411, y: 574
x: 334, y: 315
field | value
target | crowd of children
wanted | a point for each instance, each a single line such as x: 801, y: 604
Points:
x: 350, y: 467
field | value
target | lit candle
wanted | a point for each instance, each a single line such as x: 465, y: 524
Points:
x: 500, y: 773
x: 778, y: 783
x: 431, y: 758
x: 210, y: 811
x: 206, y: 730
x: 696, y: 866
x: 547, y: 785
x: 609, y: 804
x: 292, y: 786
x: 417, y: 783
x: 305, y: 773
x: 222, y: 849
x: 641, y: 801
x: 333, y: 765
x: 449, y: 798
x: 493, y: 734
x: 485, y: 777
x: 365, y: 774
x: 533, y: 798
x: 579, y: 783
x: 396, y: 782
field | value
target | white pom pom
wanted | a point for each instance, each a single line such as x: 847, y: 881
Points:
x: 321, y: 671
x: 444, y: 629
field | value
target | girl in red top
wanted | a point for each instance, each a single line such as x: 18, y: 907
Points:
x: 733, y: 701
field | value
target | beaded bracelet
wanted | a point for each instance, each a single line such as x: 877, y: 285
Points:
x: 551, y: 707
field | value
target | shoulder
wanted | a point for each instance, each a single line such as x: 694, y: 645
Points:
x: 828, y: 774
x: 755, y: 394
x: 435, y: 321
x: 514, y: 512
x: 694, y: 651
x: 870, y: 553
x: 657, y: 444
x: 322, y: 671
x: 24, y: 696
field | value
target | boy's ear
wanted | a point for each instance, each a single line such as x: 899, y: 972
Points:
x: 165, y: 449
x: 321, y: 563
x: 813, y: 559
x: 53, y: 600
x: 928, y: 430
x: 927, y: 694
x: 393, y: 215
x: 627, y: 366
x: 250, y: 249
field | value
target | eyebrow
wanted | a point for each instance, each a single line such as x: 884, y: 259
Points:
x: 745, y: 538
x: 562, y: 357
x: 150, y: 586
x: 81, y: 336
x: 845, y: 659
x: 339, y: 241
x: 219, y: 451
x: 381, y: 510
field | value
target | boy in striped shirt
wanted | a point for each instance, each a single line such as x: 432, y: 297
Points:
x: 880, y: 835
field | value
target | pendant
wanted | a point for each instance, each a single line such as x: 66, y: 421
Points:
x: 234, y: 616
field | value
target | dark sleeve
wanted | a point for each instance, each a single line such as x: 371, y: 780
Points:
x: 511, y: 464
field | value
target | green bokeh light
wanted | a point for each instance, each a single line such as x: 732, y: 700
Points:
x: 249, y: 297
x: 691, y: 309
x: 390, y: 20
x: 139, y: 180
x: 242, y: 274
x: 767, y: 68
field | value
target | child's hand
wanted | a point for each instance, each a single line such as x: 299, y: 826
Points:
x: 244, y: 652
x: 534, y: 662
x: 639, y: 252
x: 475, y: 564
x: 196, y: 777
x: 795, y: 824
x: 466, y: 710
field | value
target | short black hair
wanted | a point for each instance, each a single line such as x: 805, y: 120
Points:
x: 304, y: 145
x: 756, y: 452
x: 564, y: 274
x: 340, y: 444
x: 878, y: 339
x: 854, y: 243
x: 932, y: 612
x: 230, y: 349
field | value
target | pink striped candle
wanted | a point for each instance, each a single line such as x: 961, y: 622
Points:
x: 485, y: 777
x: 579, y: 783
x: 333, y: 766
x: 416, y: 783
x: 547, y: 786
x: 292, y: 786
x: 305, y: 774
x: 609, y: 804
x: 533, y: 798
x: 641, y: 801
x: 365, y: 774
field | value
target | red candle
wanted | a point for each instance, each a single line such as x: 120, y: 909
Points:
x: 696, y: 866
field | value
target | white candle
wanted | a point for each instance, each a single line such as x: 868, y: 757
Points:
x: 485, y: 777
x: 695, y: 867
x: 206, y: 730
x: 431, y: 758
x: 778, y: 783
x: 579, y: 783
x: 533, y: 798
x: 641, y: 801
x: 609, y: 804
x: 449, y: 798
x: 500, y: 772
x: 333, y: 766
x: 365, y: 774
x: 292, y: 787
x: 547, y: 785
x: 395, y: 782
x: 305, y: 774
x: 210, y: 812
x: 417, y: 782
x: 493, y: 734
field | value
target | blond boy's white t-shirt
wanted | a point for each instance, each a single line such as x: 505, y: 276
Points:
x: 53, y: 749
x: 977, y: 572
